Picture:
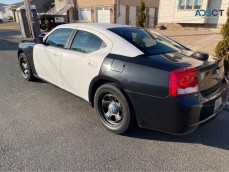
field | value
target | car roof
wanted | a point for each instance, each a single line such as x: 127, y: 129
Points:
x: 96, y: 25
x: 118, y: 42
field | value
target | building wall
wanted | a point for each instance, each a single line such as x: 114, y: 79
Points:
x: 148, y: 3
x: 58, y: 3
x: 87, y: 3
x: 170, y: 13
x: 40, y: 5
x: 224, y: 5
x: 92, y: 4
x: 96, y: 2
x: 219, y: 4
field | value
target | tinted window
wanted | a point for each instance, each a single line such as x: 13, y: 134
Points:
x: 190, y: 4
x: 182, y: 4
x: 197, y: 4
x: 148, y: 42
x: 86, y: 42
x: 59, y: 37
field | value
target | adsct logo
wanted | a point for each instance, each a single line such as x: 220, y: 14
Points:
x: 209, y: 13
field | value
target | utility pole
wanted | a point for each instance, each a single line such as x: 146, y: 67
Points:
x: 29, y: 17
x: 74, y: 11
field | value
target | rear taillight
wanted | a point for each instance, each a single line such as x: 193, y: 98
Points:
x: 183, y: 81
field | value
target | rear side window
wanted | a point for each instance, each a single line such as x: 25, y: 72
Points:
x: 147, y: 42
x: 59, y: 37
x: 86, y: 42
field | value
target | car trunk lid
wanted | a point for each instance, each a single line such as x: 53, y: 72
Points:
x: 210, y: 71
x: 210, y: 76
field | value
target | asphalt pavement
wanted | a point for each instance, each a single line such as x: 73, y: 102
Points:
x: 45, y: 128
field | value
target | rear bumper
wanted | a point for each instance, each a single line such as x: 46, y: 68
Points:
x: 177, y: 115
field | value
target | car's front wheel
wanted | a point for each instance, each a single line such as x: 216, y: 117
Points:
x: 113, y: 108
x: 25, y: 67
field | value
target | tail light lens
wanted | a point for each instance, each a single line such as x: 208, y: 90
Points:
x: 183, y: 82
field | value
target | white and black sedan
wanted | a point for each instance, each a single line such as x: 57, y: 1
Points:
x: 129, y: 75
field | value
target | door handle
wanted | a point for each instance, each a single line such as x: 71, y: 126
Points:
x: 92, y: 64
x: 56, y: 53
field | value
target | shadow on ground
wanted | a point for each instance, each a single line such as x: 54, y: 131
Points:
x: 5, y: 45
x: 9, y: 34
x: 214, y: 134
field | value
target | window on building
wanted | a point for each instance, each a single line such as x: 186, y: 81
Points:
x: 197, y: 4
x: 182, y: 4
x: 189, y: 4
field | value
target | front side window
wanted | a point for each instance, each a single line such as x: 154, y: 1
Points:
x: 189, y: 4
x: 59, y: 37
x: 148, y: 42
x: 86, y: 42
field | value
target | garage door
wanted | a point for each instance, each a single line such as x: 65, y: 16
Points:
x: 103, y: 14
x: 85, y: 14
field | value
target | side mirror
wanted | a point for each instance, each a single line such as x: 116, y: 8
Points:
x: 41, y: 38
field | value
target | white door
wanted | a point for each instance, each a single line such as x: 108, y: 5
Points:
x: 85, y: 14
x: 103, y: 14
x: 133, y: 15
x: 122, y: 17
x: 82, y: 63
x: 47, y: 57
x: 152, y: 12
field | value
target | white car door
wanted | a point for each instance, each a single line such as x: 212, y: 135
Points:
x: 82, y: 62
x: 47, y: 56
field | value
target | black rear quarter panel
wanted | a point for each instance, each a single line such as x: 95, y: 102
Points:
x: 142, y: 74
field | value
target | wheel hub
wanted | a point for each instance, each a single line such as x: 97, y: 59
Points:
x: 113, y: 108
x: 24, y: 66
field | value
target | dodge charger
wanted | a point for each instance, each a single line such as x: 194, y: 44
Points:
x: 129, y: 75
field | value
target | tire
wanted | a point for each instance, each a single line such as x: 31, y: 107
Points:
x: 25, y: 67
x: 113, y: 109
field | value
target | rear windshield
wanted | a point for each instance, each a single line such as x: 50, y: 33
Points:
x: 148, y: 42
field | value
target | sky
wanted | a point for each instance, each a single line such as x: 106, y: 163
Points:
x: 10, y: 1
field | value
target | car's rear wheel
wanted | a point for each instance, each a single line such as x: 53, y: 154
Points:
x: 25, y: 67
x: 113, y: 109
